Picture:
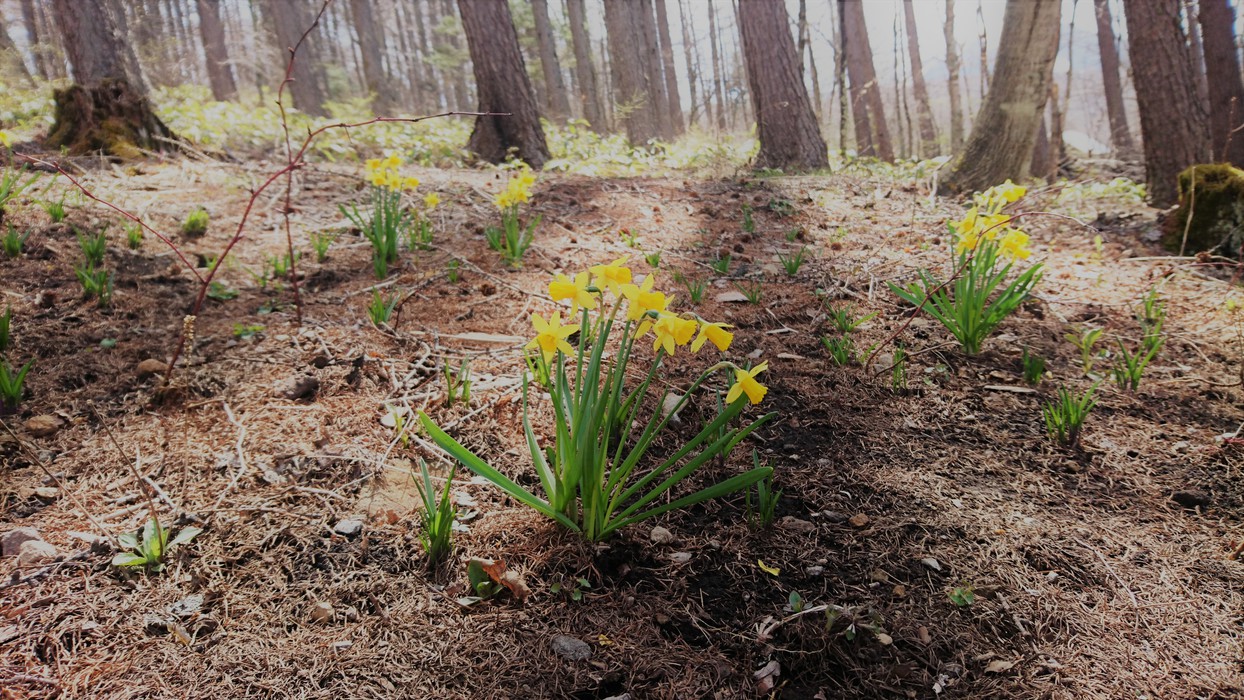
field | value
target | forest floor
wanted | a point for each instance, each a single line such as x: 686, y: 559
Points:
x: 1089, y: 580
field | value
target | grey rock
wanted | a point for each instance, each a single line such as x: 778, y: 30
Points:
x: 11, y: 541
x: 35, y: 552
x: 571, y: 649
x: 932, y: 563
x: 348, y: 527
x: 187, y: 606
x: 321, y: 612
x: 660, y: 535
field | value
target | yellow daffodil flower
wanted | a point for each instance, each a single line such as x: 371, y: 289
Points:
x: 1013, y: 245
x: 5, y: 139
x: 642, y: 300
x: 745, y: 383
x: 1009, y: 191
x: 431, y: 200
x: 374, y: 164
x: 551, y: 336
x: 672, y: 331
x: 611, y: 276
x: 716, y: 332
x: 411, y: 183
x: 393, y: 162
x: 563, y: 288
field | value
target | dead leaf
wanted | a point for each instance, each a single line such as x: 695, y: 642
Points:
x: 1010, y: 389
x: 998, y: 666
x: 731, y: 296
x: 511, y: 580
x: 771, y: 570
x: 766, y: 677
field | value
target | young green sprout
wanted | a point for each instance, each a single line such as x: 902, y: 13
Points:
x: 898, y: 371
x: 792, y: 263
x: 12, y: 385
x: 749, y: 223
x: 721, y: 264
x: 6, y: 322
x: 133, y: 235
x: 320, y: 243
x: 1064, y: 417
x: 55, y: 210
x: 96, y: 283
x: 1033, y: 366
x: 458, y: 383
x: 842, y: 350
x: 1086, y: 341
x: 761, y: 511
x: 195, y: 224
x: 93, y: 247
x: 752, y: 291
x: 380, y: 310
x: 151, y: 552
x: 12, y: 243
x: 451, y: 271
x: 844, y: 319
x: 436, y: 514
x: 1129, y: 367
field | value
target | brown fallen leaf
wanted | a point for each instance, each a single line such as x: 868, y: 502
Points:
x: 998, y: 666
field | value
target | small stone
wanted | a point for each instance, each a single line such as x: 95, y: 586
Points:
x: 859, y: 520
x: 187, y: 606
x: 300, y: 388
x: 680, y: 557
x: 47, y: 494
x: 931, y: 563
x: 660, y: 535
x: 11, y: 541
x: 348, y: 527
x: 33, y: 552
x: 322, y: 612
x: 343, y: 644
x: 1191, y: 499
x: 351, y: 614
x: 43, y: 426
x: 1052, y: 576
x: 623, y: 696
x: 571, y: 649
x: 794, y: 524
x: 1181, y: 447
x: 814, y: 571
x: 833, y: 516
x: 900, y: 590
x: 151, y: 367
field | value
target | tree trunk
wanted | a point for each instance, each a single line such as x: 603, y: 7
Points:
x: 219, y: 71
x: 1042, y: 158
x: 462, y: 93
x: 1226, y: 89
x: 1000, y: 146
x: 290, y: 18
x: 688, y: 50
x: 984, y: 46
x: 785, y: 122
x: 1172, y: 119
x: 1120, y: 134
x: 589, y: 90
x: 502, y: 85
x: 102, y: 111
x: 558, y: 101
x: 372, y: 47
x: 634, y: 103
x: 1196, y: 49
x: 840, y: 79
x: 672, y: 98
x: 864, y: 147
x: 928, y: 131
x: 863, y: 76
x: 952, y: 65
x: 653, y: 72
x: 718, y: 79
x: 31, y: 22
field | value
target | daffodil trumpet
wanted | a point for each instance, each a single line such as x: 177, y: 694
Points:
x: 598, y: 471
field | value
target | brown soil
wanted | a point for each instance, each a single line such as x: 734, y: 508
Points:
x: 1089, y: 580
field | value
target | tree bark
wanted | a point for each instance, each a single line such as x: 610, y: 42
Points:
x: 1226, y: 89
x: 290, y: 18
x: 653, y: 72
x: 689, y: 57
x: 558, y: 101
x: 502, y: 85
x: 372, y: 47
x: 462, y: 93
x: 928, y: 130
x: 1112, y: 85
x: 952, y: 65
x: 10, y: 58
x: 864, y: 147
x: 672, y: 98
x: 1001, y: 144
x: 1042, y: 160
x: 718, y: 79
x: 863, y: 76
x: 633, y: 100
x: 219, y: 70
x: 30, y: 21
x: 785, y: 121
x: 1172, y: 119
x: 589, y: 89
x: 1196, y: 49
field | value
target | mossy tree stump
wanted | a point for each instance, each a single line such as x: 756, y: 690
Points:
x: 1214, y: 196
x: 111, y: 117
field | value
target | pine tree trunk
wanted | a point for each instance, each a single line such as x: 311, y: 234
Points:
x: 654, y: 78
x: 924, y: 113
x: 1172, y: 119
x: 102, y: 111
x: 863, y: 75
x: 785, y: 121
x: 502, y: 85
x: 1112, y: 85
x: 864, y: 146
x: 558, y: 103
x: 672, y: 98
x: 290, y: 18
x: 31, y: 23
x: 593, y: 112
x: 840, y: 80
x: 462, y: 93
x: 952, y: 65
x: 1001, y: 144
x: 1196, y: 49
x: 718, y: 79
x: 634, y: 104
x: 1226, y: 89
x: 219, y: 71
x: 10, y: 58
x: 689, y: 58
x: 371, y: 45
x: 1042, y: 160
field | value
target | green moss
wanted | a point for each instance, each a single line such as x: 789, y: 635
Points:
x: 1217, y: 208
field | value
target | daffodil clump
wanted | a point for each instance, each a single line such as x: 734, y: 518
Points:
x: 421, y: 233
x: 513, y: 239
x: 598, y: 475
x: 987, y: 246
x: 388, y: 221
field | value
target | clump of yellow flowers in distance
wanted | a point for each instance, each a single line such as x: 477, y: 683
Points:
x: 512, y: 240
x: 595, y: 473
x: 5, y: 139
x: 987, y: 246
x: 389, y: 220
